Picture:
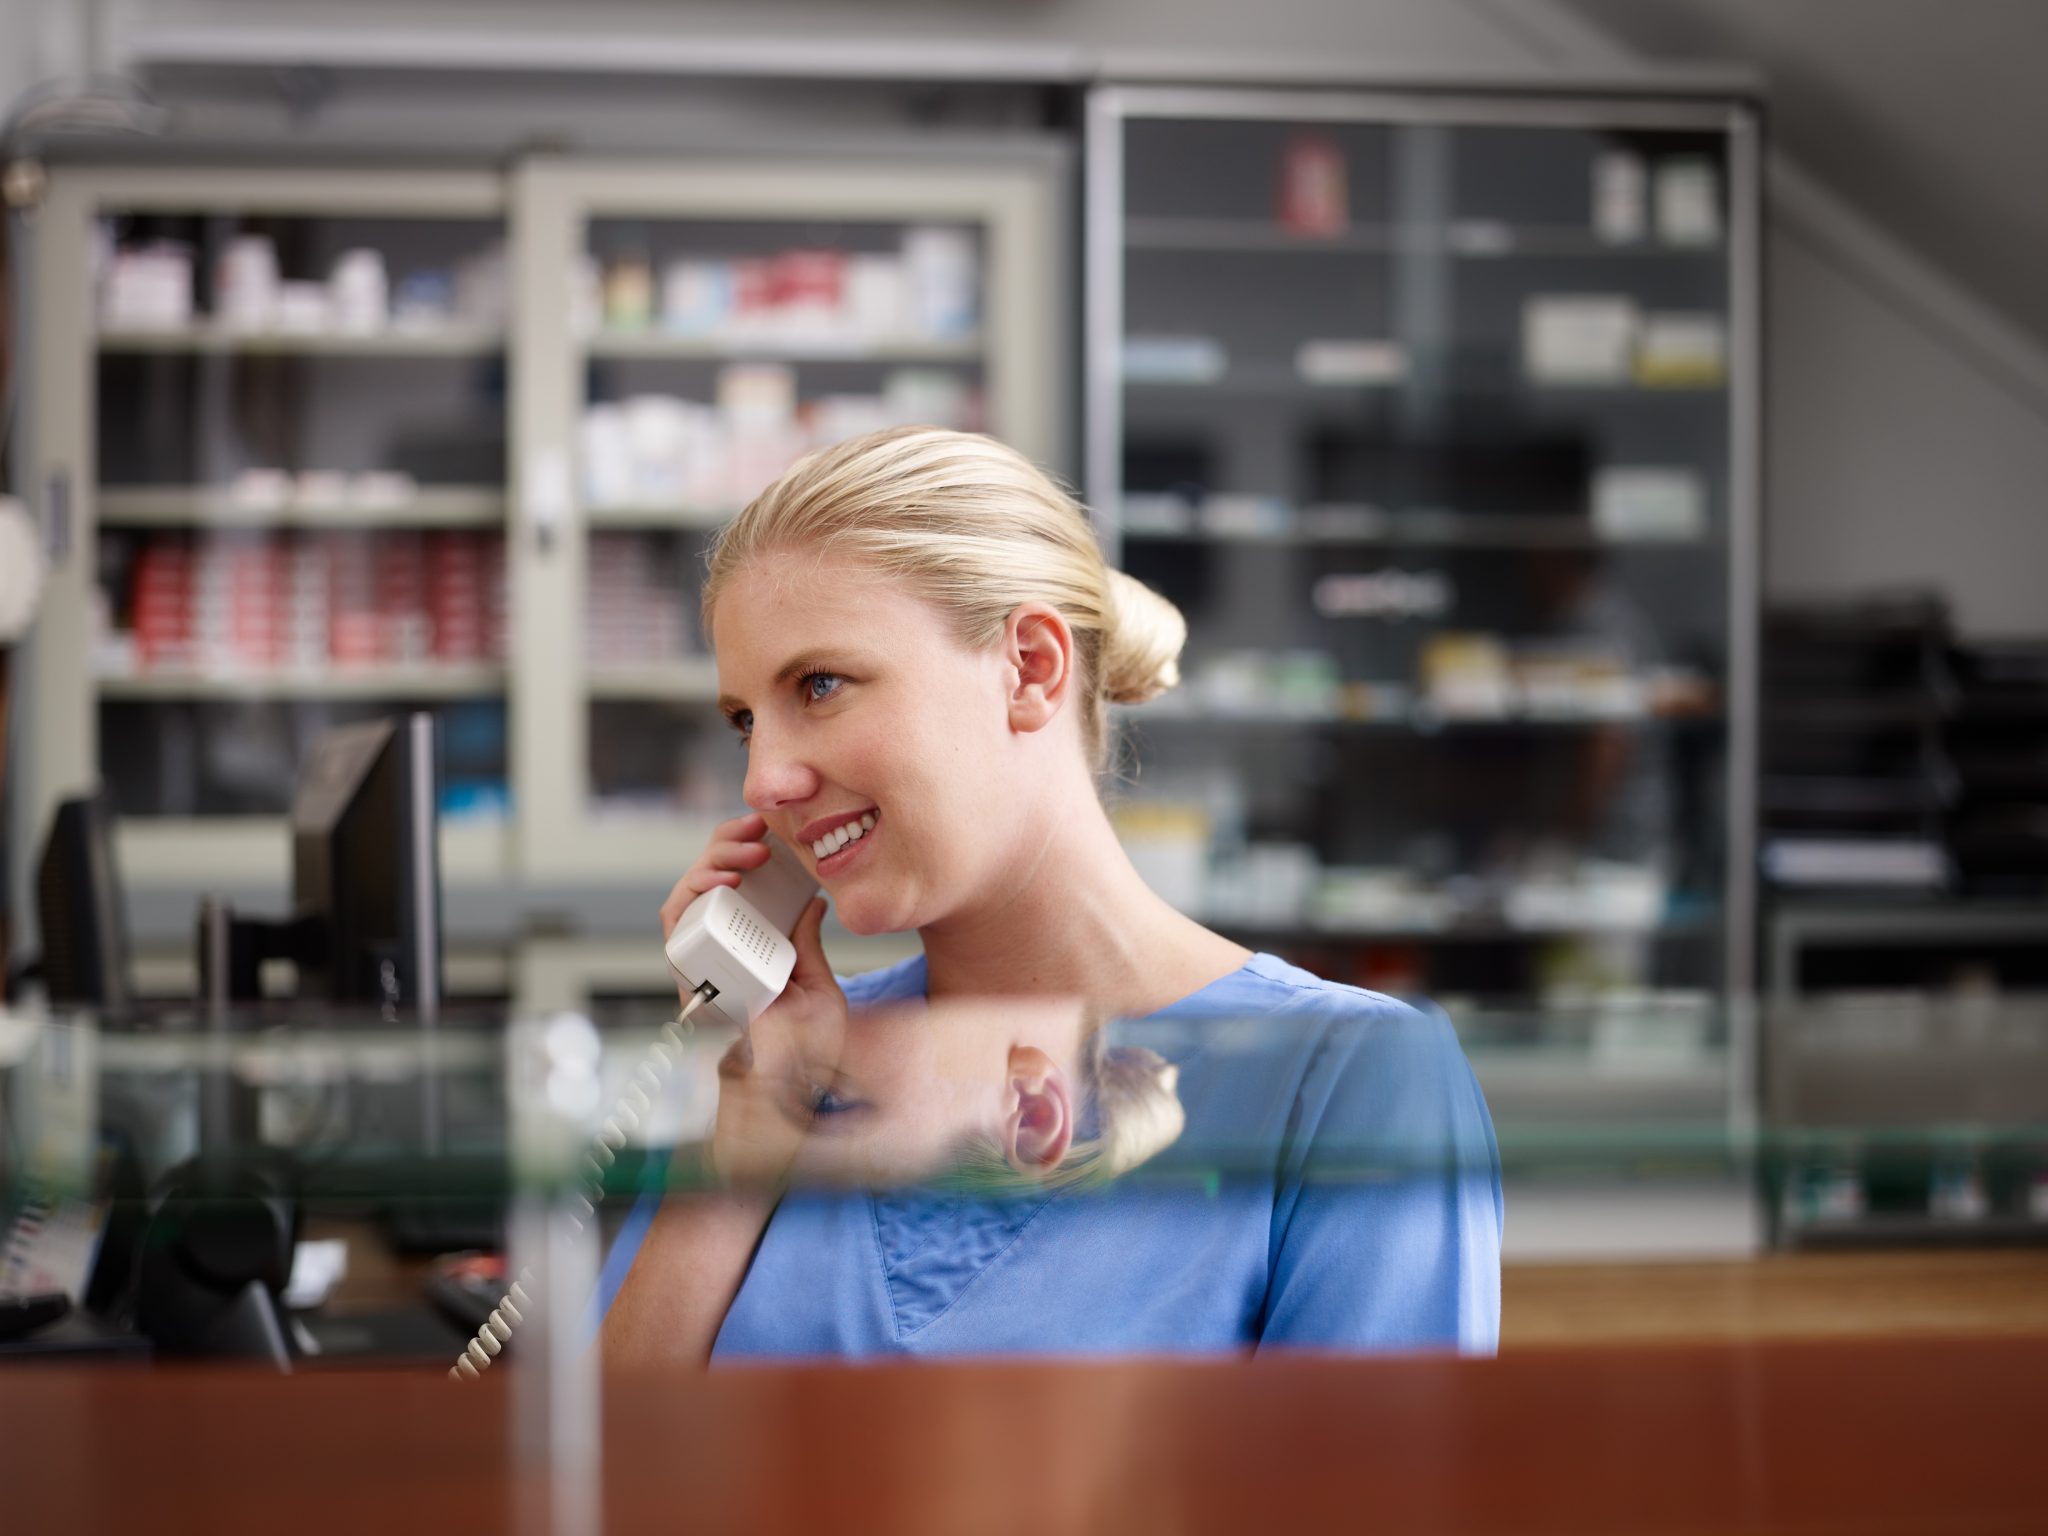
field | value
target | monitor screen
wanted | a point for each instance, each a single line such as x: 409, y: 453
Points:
x: 366, y: 866
x: 78, y: 900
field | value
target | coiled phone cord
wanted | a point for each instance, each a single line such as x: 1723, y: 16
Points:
x: 633, y: 1106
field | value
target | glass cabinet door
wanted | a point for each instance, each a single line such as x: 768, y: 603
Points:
x: 718, y: 326
x: 273, y: 420
x: 1426, y: 414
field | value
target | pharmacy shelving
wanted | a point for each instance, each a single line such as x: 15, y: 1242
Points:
x: 163, y: 422
x: 192, y: 506
x: 660, y: 344
x: 655, y: 514
x: 692, y: 681
x: 409, y: 684
x: 1412, y: 720
x: 451, y: 341
x: 1472, y: 239
x: 242, y: 447
x: 1437, y: 415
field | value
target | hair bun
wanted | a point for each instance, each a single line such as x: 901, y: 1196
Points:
x: 1141, y: 651
x: 1138, y: 1091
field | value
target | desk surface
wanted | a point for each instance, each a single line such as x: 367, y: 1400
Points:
x: 1889, y: 1436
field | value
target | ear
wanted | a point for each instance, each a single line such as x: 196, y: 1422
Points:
x: 1038, y: 1125
x: 1038, y: 645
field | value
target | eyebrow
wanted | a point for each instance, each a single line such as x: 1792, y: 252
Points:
x: 812, y: 661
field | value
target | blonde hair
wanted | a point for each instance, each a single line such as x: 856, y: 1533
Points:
x: 974, y: 528
x: 1138, y: 1114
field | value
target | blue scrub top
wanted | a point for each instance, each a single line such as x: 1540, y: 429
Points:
x: 1337, y: 1188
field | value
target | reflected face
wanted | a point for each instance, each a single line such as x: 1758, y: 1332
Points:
x: 885, y: 1099
x: 876, y: 743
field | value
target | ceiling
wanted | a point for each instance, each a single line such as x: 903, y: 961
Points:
x: 1927, y: 115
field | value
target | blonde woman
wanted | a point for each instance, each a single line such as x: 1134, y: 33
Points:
x: 916, y: 637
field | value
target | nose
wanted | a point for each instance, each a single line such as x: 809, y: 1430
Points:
x: 775, y: 776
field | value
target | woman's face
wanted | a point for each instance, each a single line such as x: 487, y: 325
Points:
x: 889, y: 1096
x: 858, y: 706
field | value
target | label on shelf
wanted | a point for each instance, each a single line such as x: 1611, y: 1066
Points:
x: 1359, y: 360
x: 1174, y: 359
x: 1648, y: 502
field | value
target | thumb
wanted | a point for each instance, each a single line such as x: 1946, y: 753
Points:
x: 808, y: 937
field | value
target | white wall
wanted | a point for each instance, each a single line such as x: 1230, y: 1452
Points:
x: 1896, y: 456
x: 1420, y: 34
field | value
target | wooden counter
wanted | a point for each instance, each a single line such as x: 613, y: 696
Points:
x: 1822, y: 1437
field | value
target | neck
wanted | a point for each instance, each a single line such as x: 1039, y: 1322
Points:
x: 1074, y: 918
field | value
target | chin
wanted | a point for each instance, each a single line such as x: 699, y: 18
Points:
x: 866, y: 915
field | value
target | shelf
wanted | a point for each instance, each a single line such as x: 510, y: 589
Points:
x: 660, y: 344
x: 204, y: 506
x: 448, y: 341
x: 248, y: 851
x: 1472, y: 530
x: 672, y: 682
x: 1885, y: 1228
x: 657, y: 515
x: 441, y: 682
x: 1282, y: 383
x: 1470, y: 239
x: 1482, y: 930
x: 1419, y: 722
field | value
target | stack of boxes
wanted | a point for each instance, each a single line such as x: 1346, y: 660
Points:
x: 635, y: 614
x: 303, y: 602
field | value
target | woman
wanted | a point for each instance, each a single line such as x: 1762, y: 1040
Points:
x: 917, y: 637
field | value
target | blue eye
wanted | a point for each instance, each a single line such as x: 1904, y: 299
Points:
x: 825, y: 1102
x: 812, y: 689
x: 741, y: 720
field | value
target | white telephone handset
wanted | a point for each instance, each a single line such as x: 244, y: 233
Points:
x: 732, y: 953
x: 735, y: 942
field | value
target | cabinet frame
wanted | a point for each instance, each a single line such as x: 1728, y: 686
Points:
x: 1111, y: 106
x: 58, y: 453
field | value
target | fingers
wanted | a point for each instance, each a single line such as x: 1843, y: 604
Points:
x: 808, y: 937
x: 735, y: 853
x: 745, y: 828
x: 735, y: 848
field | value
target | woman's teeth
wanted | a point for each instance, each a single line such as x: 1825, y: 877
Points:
x: 852, y: 832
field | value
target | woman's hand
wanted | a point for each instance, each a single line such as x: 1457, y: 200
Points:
x: 768, y: 1078
x: 736, y: 847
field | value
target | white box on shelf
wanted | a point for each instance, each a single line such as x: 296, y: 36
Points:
x: 245, y: 283
x: 148, y: 289
x: 1579, y: 338
x: 258, y: 487
x: 1174, y: 359
x: 1621, y: 186
x: 359, y: 292
x: 1648, y: 502
x: 1679, y: 347
x: 1688, y: 201
x: 303, y: 309
x: 1351, y: 360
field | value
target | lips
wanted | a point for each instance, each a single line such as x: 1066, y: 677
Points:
x: 811, y: 831
x: 843, y: 833
x: 845, y: 845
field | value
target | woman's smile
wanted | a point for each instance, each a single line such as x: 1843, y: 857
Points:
x: 837, y: 849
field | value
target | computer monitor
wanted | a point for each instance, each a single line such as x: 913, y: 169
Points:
x: 366, y: 871
x: 78, y: 907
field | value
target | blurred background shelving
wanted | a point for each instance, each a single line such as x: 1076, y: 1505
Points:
x: 1436, y: 418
